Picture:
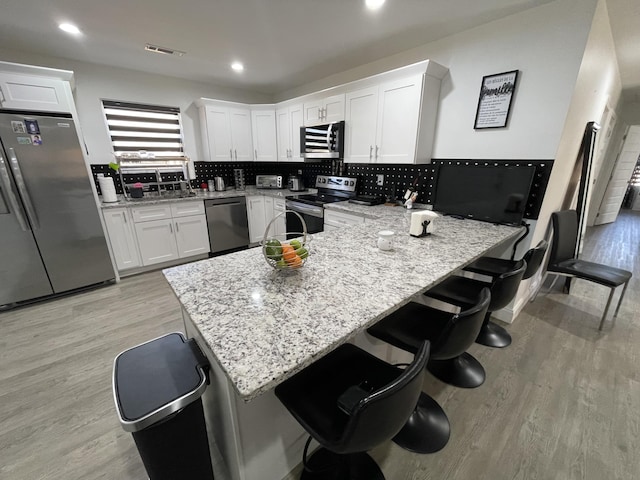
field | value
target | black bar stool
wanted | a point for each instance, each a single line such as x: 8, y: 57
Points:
x: 493, y: 267
x: 450, y: 334
x: 462, y: 291
x: 350, y: 402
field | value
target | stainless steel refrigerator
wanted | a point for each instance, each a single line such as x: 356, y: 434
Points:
x: 51, y: 238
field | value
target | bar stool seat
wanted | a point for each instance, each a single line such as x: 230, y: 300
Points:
x: 462, y: 291
x: 350, y: 402
x: 450, y: 336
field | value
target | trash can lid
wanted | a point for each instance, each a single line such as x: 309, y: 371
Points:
x: 157, y: 378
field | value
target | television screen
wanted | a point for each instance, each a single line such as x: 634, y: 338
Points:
x: 489, y: 193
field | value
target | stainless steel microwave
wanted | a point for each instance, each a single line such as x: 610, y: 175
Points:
x: 322, y: 141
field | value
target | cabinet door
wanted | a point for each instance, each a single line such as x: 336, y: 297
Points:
x: 333, y: 108
x: 192, y: 236
x: 296, y: 117
x: 264, y: 135
x: 398, y: 113
x: 255, y: 214
x: 361, y: 120
x: 240, y: 121
x: 280, y: 225
x: 283, y: 128
x: 26, y: 92
x: 313, y: 112
x: 219, y: 134
x: 122, y: 237
x: 157, y: 241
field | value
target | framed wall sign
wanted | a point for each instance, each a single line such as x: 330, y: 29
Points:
x: 494, y: 104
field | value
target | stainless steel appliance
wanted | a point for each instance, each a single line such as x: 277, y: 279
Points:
x: 295, y: 183
x: 219, y: 184
x: 311, y: 207
x: 227, y: 222
x: 322, y: 141
x: 269, y: 181
x: 51, y: 238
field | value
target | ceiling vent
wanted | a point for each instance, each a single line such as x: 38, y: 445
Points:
x: 163, y: 50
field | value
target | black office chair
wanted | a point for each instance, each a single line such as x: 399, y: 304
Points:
x: 563, y: 262
x: 450, y: 335
x: 350, y: 402
x: 493, y: 267
x: 462, y: 291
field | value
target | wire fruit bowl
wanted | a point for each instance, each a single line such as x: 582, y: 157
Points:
x: 284, y: 254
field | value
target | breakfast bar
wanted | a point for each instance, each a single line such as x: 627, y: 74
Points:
x: 259, y: 326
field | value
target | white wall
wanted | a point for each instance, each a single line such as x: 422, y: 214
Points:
x: 95, y: 82
x: 544, y: 43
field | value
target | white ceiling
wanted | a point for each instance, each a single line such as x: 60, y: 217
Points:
x: 283, y: 43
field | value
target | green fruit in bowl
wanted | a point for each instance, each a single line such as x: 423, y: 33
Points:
x: 302, y: 252
x: 296, y: 244
x: 281, y: 264
x: 273, y: 249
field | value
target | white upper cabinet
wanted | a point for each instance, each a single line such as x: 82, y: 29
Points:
x: 361, y: 120
x: 288, y: 122
x: 398, y: 113
x: 389, y: 118
x: 263, y: 124
x: 324, y: 110
x: 27, y: 92
x: 392, y: 122
x: 226, y: 132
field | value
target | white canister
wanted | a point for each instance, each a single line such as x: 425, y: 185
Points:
x: 385, y: 240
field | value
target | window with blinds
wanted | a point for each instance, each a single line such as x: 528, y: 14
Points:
x: 144, y: 130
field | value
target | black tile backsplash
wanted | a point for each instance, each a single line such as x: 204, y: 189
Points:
x: 397, y: 178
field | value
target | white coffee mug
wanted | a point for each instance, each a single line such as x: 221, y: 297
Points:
x: 385, y: 240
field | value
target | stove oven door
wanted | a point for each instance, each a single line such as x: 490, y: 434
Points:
x: 313, y: 217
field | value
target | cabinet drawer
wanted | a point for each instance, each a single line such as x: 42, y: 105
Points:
x: 151, y: 212
x: 184, y: 209
x: 340, y: 219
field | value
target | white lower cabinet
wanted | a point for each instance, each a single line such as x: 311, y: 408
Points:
x: 148, y: 235
x: 280, y: 226
x: 256, y: 217
x: 260, y: 211
x: 157, y: 241
x: 122, y: 237
x: 334, y: 220
x: 192, y: 236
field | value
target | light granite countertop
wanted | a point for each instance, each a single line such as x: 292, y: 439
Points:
x: 264, y: 325
x: 202, y: 195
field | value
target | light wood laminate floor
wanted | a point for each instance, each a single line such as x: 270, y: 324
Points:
x: 563, y: 402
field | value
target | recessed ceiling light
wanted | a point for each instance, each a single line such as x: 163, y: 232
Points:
x: 69, y: 28
x: 374, y: 4
x: 237, y: 66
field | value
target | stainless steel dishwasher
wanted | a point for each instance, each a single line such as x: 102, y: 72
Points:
x: 227, y: 223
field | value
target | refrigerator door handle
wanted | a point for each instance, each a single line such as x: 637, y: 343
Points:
x: 13, y: 201
x: 22, y: 189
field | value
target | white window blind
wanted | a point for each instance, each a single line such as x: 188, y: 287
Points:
x: 136, y: 128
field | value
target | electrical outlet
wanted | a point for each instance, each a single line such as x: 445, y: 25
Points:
x: 379, y: 180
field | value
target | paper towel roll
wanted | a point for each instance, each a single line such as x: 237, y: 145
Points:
x: 108, y: 189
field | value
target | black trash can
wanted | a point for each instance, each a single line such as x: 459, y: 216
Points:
x: 157, y: 388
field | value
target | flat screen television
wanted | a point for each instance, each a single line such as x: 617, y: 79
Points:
x: 494, y: 194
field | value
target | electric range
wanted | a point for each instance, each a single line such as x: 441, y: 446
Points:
x: 311, y: 206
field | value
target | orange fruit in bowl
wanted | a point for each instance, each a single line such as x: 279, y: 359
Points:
x: 289, y: 255
x: 296, y: 262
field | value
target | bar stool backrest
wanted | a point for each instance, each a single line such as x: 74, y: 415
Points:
x: 382, y: 414
x: 505, y: 287
x: 534, y: 258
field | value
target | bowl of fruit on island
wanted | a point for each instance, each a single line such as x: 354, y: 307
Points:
x: 287, y: 255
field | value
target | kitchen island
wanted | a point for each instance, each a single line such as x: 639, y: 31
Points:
x: 259, y: 326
